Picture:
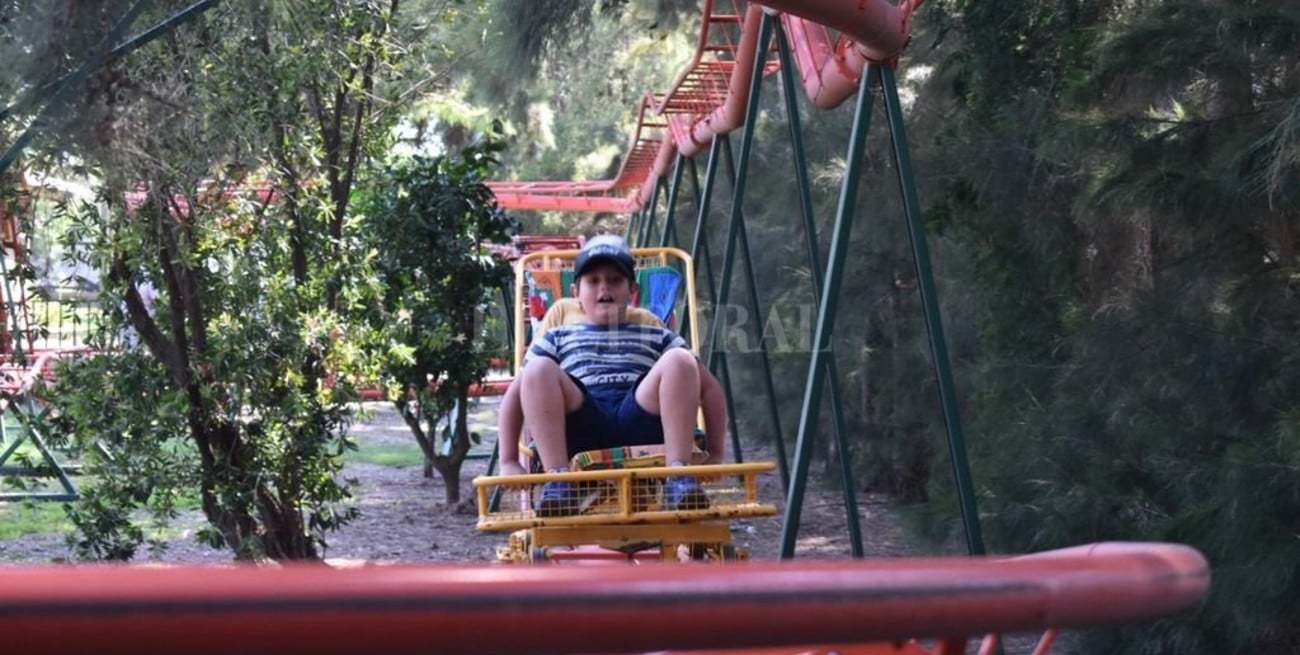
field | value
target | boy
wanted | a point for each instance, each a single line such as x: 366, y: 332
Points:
x: 713, y: 402
x: 606, y: 382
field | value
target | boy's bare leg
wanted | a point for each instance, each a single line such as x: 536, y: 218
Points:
x: 672, y: 391
x: 510, y: 423
x: 546, y: 395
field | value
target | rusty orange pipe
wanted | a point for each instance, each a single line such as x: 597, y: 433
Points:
x: 880, y: 29
x: 830, y: 72
x: 566, y: 609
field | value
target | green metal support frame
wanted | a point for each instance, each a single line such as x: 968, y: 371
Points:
x: 668, y: 235
x: 804, y: 186
x: 739, y: 173
x: 933, y: 316
x: 699, y: 240
x: 698, y: 243
x: 648, y: 225
x: 737, y: 232
x: 826, y: 310
x: 699, y: 247
x: 48, y: 98
x: 765, y: 361
x: 50, y: 466
x: 877, y: 74
x: 704, y: 265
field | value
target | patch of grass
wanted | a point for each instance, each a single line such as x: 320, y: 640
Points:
x: 387, y: 454
x: 18, y: 519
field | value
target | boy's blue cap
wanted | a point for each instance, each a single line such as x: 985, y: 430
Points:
x: 605, y: 247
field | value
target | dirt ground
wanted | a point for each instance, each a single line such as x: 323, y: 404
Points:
x: 404, y: 517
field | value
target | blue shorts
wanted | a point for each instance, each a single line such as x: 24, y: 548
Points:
x: 610, y: 421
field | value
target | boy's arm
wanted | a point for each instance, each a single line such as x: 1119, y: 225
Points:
x: 713, y: 403
x: 510, y: 417
x: 510, y: 423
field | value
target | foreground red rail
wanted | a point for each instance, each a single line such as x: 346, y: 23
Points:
x: 559, y: 609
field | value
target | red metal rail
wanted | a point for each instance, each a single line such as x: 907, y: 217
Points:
x: 564, y: 609
x: 710, y: 94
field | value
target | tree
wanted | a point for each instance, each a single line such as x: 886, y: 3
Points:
x: 429, y: 222
x: 226, y: 159
x: 1135, y: 378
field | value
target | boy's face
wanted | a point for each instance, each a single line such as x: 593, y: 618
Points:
x: 604, y: 294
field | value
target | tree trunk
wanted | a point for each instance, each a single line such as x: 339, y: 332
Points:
x: 259, y: 524
x: 425, y: 441
x: 449, y: 466
x: 451, y: 485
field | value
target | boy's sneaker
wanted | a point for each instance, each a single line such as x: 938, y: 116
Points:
x: 682, y: 492
x: 557, y: 499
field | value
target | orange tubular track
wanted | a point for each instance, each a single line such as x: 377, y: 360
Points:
x: 709, y: 96
x: 501, y: 609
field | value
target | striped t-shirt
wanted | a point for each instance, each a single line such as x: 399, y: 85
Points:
x: 606, y: 359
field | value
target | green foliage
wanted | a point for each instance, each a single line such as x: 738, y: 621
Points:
x: 539, y: 25
x: 429, y: 222
x: 1111, y: 191
x: 1134, y: 374
x: 131, y: 430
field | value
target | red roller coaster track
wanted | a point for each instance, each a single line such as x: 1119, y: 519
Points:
x: 572, y: 609
x: 710, y: 94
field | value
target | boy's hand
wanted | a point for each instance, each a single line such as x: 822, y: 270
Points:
x: 509, y: 467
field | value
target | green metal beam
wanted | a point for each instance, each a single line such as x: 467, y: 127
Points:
x: 630, y: 228
x: 804, y: 185
x: 648, y: 226
x: 765, y: 362
x: 826, y: 311
x: 54, y: 468
x: 933, y: 316
x: 47, y: 91
x: 700, y: 241
x: 717, y: 356
x: 669, y: 236
x: 704, y: 265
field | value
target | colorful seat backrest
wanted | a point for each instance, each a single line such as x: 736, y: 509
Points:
x: 659, y: 291
x: 544, y: 288
x: 664, y: 283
